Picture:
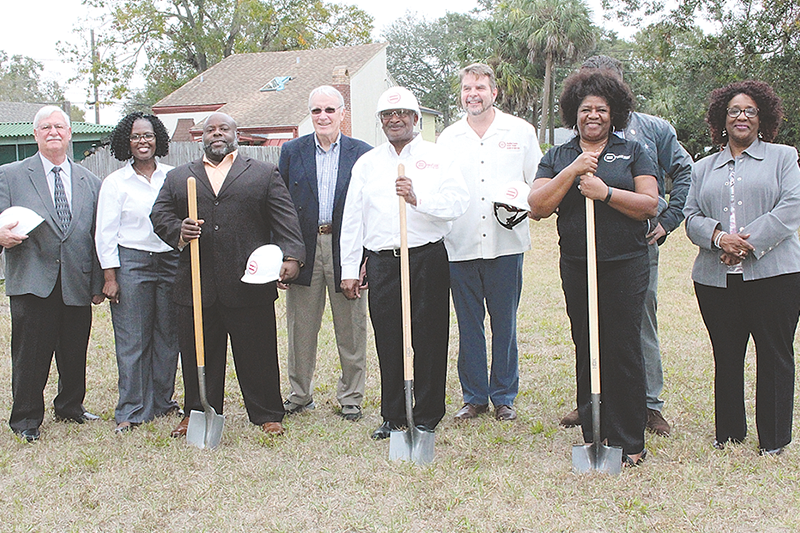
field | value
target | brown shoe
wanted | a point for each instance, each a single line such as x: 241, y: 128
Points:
x: 571, y: 419
x: 656, y: 423
x: 180, y: 429
x: 272, y: 428
x: 471, y: 410
x: 505, y: 413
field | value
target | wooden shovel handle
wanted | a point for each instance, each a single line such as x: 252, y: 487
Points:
x: 405, y: 287
x: 594, y: 322
x: 197, y: 300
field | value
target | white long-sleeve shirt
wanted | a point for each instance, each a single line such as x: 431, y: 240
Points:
x: 371, y: 216
x: 508, y: 151
x: 123, y: 214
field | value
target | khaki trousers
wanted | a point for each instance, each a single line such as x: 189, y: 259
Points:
x: 304, y: 309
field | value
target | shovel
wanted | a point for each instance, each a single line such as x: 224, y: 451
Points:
x: 205, y: 427
x: 411, y: 444
x: 596, y: 456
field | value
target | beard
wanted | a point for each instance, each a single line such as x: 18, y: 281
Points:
x: 218, y: 153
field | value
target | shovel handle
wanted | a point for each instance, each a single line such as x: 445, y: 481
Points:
x: 405, y: 286
x: 594, y: 322
x: 197, y: 300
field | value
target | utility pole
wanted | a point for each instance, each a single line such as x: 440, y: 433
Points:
x: 94, y: 82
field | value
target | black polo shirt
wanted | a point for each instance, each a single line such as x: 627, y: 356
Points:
x: 618, y: 236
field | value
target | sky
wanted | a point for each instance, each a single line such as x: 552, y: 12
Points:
x: 55, y: 20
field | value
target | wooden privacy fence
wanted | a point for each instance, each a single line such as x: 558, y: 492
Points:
x: 102, y: 163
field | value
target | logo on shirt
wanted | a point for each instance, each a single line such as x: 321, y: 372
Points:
x: 503, y: 145
x: 610, y: 158
x: 422, y: 165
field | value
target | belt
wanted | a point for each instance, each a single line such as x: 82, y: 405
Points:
x: 325, y: 229
x: 395, y: 252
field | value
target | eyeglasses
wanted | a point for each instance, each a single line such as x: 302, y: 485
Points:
x: 399, y: 113
x: 149, y: 136
x: 48, y: 127
x: 328, y: 110
x: 749, y: 112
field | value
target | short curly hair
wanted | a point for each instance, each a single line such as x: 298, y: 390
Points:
x: 770, y: 109
x: 596, y: 82
x: 121, y: 136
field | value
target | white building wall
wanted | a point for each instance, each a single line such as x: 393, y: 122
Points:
x: 366, y: 86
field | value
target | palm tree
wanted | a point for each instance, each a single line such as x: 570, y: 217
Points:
x: 558, y: 31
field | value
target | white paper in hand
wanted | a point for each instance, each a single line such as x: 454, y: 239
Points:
x: 27, y: 218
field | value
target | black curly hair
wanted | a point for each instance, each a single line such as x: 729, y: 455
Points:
x: 770, y: 109
x: 121, y: 136
x: 596, y: 82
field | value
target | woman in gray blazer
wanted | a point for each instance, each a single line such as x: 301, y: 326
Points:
x: 743, y: 212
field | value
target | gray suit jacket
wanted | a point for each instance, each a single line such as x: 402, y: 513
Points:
x: 33, y: 266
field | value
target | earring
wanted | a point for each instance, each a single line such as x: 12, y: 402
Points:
x: 760, y: 135
x: 724, y: 133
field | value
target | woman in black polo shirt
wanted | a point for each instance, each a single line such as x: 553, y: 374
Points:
x: 599, y: 165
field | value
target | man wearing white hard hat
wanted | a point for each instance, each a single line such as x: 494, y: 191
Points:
x: 435, y: 195
x: 494, y: 149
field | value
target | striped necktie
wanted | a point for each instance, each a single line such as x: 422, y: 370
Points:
x: 60, y: 200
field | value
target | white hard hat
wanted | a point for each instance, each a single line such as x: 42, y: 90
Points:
x: 264, y: 265
x: 511, y: 204
x: 398, y: 98
x: 27, y: 218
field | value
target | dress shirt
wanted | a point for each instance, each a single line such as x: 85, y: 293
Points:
x: 123, y: 214
x: 371, y: 216
x: 66, y: 177
x: 767, y: 199
x: 327, y: 172
x: 217, y: 172
x: 508, y: 151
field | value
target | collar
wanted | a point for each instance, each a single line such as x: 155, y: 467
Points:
x: 757, y: 150
x: 333, y: 144
x: 48, y: 165
x: 407, y: 149
x: 231, y: 157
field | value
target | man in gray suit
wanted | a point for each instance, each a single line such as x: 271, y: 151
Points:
x: 52, y: 275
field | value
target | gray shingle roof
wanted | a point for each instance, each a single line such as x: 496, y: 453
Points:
x: 18, y: 111
x: 236, y: 82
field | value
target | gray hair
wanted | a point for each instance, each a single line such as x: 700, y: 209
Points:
x: 604, y: 63
x: 48, y: 110
x: 478, y: 70
x: 326, y: 90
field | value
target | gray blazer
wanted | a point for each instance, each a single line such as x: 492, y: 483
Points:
x: 767, y: 207
x: 32, y: 267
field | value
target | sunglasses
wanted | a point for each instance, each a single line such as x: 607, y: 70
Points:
x: 399, y: 113
x: 328, y: 110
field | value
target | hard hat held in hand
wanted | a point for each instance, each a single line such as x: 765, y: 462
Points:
x: 511, y: 204
x: 27, y: 219
x: 264, y: 265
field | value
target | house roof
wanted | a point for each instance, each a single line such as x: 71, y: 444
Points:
x: 234, y: 84
x: 18, y: 111
x: 25, y: 129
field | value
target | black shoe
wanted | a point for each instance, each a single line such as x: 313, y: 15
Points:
x: 85, y: 417
x: 30, y: 435
x: 628, y: 461
x: 767, y: 453
x: 384, y: 431
x: 351, y: 413
x: 292, y: 408
x: 424, y: 428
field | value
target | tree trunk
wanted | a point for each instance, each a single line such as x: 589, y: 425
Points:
x: 546, y: 106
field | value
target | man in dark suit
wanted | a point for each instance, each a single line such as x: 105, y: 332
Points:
x: 52, y: 275
x: 242, y: 204
x: 316, y: 168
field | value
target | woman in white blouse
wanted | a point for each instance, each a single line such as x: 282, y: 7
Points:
x: 743, y: 212
x: 139, y: 269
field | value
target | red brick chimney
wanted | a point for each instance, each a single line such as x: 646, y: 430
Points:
x: 341, y: 81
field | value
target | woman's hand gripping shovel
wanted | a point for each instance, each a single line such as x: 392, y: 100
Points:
x: 412, y: 444
x: 205, y: 427
x: 597, y: 457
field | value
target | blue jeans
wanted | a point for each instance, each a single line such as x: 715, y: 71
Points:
x: 498, y: 283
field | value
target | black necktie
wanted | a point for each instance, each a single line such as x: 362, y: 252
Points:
x: 60, y: 199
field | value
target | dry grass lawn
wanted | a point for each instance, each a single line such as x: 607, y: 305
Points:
x: 326, y: 474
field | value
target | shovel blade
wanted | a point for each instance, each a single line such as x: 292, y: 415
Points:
x: 411, y: 445
x: 588, y: 458
x: 205, y: 429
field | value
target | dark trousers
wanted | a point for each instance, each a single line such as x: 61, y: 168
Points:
x: 767, y: 309
x: 255, y: 355
x: 621, y: 289
x: 430, y: 330
x: 41, y: 327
